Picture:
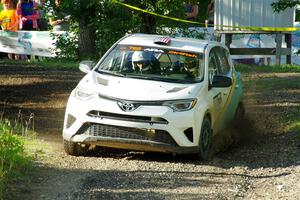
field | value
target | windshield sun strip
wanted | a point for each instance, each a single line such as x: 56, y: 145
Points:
x: 166, y: 50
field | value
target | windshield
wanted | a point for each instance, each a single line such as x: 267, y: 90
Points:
x: 153, y: 64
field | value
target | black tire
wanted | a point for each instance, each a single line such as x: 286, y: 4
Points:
x: 75, y: 149
x: 205, y: 151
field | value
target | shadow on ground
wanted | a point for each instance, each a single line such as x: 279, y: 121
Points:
x: 113, y: 184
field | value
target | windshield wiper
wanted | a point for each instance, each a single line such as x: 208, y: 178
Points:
x: 111, y: 73
x: 163, y: 79
x: 143, y: 77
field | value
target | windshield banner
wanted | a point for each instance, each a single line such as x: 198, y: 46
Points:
x: 39, y: 43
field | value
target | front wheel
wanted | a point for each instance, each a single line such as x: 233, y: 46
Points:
x: 205, y: 151
x: 75, y: 149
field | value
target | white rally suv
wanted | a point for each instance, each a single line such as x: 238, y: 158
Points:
x: 154, y: 93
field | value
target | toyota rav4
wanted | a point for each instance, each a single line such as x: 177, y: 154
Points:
x: 154, y: 93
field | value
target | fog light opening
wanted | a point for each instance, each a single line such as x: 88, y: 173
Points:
x: 70, y: 121
x: 189, y: 134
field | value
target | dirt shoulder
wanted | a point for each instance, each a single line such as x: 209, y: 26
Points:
x: 265, y: 166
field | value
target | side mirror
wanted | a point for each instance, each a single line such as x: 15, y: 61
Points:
x: 86, y: 66
x: 221, y: 81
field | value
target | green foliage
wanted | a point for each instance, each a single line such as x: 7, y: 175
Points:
x: 171, y: 8
x: 11, y: 151
x: 273, y: 83
x: 297, y: 18
x: 292, y: 120
x: 58, y: 64
x: 267, y: 69
x: 182, y: 32
x: 7, y: 127
x: 12, y: 158
x: 111, y: 21
x: 63, y: 64
x: 284, y: 4
x: 66, y: 45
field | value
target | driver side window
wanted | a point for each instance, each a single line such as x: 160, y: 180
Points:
x: 222, y: 61
x: 212, y: 66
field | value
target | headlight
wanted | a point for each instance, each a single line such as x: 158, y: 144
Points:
x: 181, y: 105
x: 84, y: 94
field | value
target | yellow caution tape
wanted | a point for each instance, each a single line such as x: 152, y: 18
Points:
x: 251, y: 28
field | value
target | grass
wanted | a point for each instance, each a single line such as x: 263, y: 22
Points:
x: 274, y: 83
x: 18, y: 147
x: 65, y: 64
x: 12, y: 157
x: 290, y: 119
x: 48, y: 63
x: 267, y: 69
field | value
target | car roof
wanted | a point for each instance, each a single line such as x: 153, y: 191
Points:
x: 178, y: 43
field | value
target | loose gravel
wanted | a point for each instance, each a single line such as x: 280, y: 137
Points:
x: 264, y: 165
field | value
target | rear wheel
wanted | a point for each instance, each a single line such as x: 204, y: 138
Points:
x: 75, y: 149
x: 205, y: 151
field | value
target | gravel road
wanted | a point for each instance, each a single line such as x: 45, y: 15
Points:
x: 265, y: 165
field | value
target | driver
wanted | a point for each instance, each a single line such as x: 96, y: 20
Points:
x: 145, y: 62
x: 190, y: 69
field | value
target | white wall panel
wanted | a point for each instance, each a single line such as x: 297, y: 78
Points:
x: 258, y: 13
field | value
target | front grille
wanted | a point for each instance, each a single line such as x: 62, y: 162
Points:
x: 102, y: 130
x: 134, y: 118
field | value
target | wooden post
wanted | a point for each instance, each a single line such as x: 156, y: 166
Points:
x: 277, y: 51
x: 288, y: 40
x: 278, y: 40
x: 228, y: 40
x: 218, y: 37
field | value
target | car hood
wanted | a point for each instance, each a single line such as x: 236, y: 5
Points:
x: 138, y: 89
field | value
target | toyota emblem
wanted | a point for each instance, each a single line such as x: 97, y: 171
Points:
x: 126, y: 106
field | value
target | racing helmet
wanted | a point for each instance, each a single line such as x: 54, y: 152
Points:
x: 142, y: 58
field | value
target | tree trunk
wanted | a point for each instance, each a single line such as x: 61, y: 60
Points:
x: 87, y: 37
x: 149, y: 24
x: 149, y: 21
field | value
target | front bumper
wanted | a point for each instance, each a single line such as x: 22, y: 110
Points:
x: 148, y: 128
x: 138, y: 145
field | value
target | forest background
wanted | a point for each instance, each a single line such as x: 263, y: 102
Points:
x: 97, y: 24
